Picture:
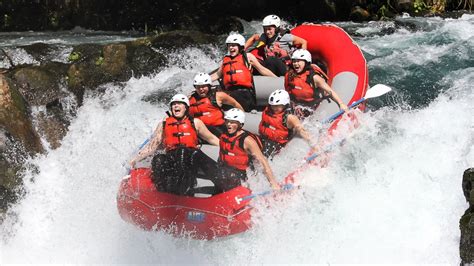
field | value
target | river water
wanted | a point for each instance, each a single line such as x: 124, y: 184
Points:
x: 391, y: 194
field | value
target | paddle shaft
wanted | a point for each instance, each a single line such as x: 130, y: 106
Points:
x: 263, y: 193
x: 336, y: 115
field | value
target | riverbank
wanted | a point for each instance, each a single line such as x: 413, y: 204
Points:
x: 213, y: 16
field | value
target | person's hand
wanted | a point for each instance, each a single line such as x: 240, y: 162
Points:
x: 275, y: 186
x: 299, y: 112
x: 344, y: 107
x: 314, y: 149
x: 133, y: 162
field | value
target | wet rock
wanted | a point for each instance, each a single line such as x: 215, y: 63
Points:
x: 404, y: 5
x: 39, y: 51
x: 94, y: 65
x: 115, y: 60
x: 85, y: 72
x: 14, y: 116
x: 466, y: 224
x: 52, y: 123
x: 359, y: 14
x: 142, y: 60
x: 40, y: 85
x: 43, y: 87
x: 224, y: 25
x: 12, y: 157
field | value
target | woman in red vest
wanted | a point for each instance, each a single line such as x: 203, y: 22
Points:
x: 174, y: 170
x: 236, y: 72
x: 278, y: 125
x: 306, y: 84
x: 237, y: 149
x: 206, y: 104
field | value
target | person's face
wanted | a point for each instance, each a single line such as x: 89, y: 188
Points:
x: 269, y: 31
x: 233, y: 49
x: 277, y: 108
x: 202, y: 90
x: 178, y: 109
x: 298, y: 65
x: 232, y: 126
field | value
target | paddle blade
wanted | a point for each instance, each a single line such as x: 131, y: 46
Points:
x: 377, y: 90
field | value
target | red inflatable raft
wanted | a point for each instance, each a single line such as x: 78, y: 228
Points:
x: 228, y: 213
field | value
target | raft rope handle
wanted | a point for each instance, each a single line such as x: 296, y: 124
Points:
x: 228, y: 217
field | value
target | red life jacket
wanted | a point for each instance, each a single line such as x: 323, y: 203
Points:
x: 206, y: 109
x: 302, y: 88
x: 179, y: 133
x: 236, y: 72
x: 271, y: 47
x: 274, y: 126
x: 232, y: 152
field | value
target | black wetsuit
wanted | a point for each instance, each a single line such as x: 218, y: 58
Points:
x: 176, y: 171
x: 270, y: 148
x: 244, y: 96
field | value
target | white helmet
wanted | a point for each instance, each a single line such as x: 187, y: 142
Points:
x: 235, y: 114
x: 180, y: 98
x: 235, y: 38
x: 202, y: 79
x: 271, y: 20
x: 301, y: 54
x: 279, y: 97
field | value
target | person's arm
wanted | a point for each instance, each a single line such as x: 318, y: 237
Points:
x: 300, y: 42
x: 217, y: 74
x: 224, y: 98
x: 295, y: 124
x: 320, y: 83
x: 251, y: 41
x: 252, y: 147
x: 204, y: 133
x: 151, y: 147
x: 261, y: 69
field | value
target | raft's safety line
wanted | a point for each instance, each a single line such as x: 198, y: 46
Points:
x: 228, y: 217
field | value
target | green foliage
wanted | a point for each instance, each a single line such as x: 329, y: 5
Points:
x: 99, y: 61
x: 420, y: 6
x: 6, y: 20
x: 382, y: 12
x: 74, y: 57
x: 53, y: 19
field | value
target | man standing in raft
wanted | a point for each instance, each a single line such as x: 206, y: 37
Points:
x: 278, y: 125
x: 175, y: 170
x: 206, y: 103
x: 306, y: 84
x: 275, y: 45
x: 237, y: 148
x: 236, y: 72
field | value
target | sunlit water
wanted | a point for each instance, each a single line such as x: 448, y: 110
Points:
x: 391, y: 194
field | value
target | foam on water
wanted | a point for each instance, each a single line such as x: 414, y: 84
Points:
x: 390, y: 194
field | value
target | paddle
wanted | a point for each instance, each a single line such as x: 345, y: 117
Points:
x: 251, y: 196
x: 373, y: 92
